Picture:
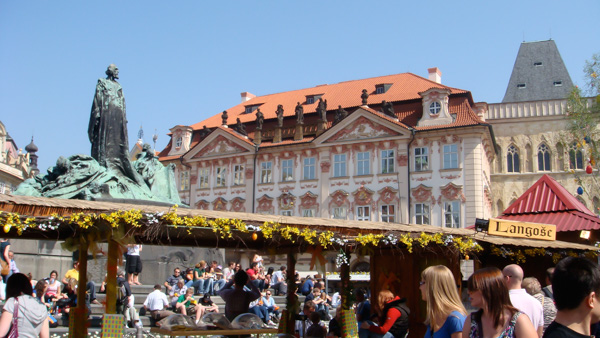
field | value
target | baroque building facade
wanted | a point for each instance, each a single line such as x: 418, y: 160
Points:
x: 398, y: 148
x: 531, y: 125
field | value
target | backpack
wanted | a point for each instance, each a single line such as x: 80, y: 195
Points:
x: 121, y: 294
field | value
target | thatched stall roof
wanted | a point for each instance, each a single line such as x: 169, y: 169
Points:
x: 154, y: 228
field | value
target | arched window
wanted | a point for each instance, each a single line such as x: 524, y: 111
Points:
x: 512, y: 159
x: 575, y: 157
x: 543, y: 157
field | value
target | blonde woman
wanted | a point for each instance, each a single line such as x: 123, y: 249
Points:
x: 445, y: 313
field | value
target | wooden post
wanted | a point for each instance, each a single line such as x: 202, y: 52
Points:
x: 291, y: 297
x: 345, y: 290
x: 111, y: 276
x: 79, y: 313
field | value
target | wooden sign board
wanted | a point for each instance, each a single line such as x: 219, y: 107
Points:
x: 507, y: 228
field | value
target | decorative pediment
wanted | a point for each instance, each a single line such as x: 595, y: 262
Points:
x: 338, y: 198
x: 238, y: 204
x: 218, y: 147
x: 202, y: 205
x: 453, y: 192
x: 362, y: 128
x: 363, y: 196
x: 220, y: 204
x: 388, y: 195
x: 286, y: 201
x: 422, y: 193
x: 265, y: 205
x: 308, y: 201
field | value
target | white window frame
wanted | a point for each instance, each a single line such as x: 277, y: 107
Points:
x: 387, y: 161
x: 339, y: 165
x: 422, y: 213
x: 238, y: 174
x: 339, y: 213
x: 379, y: 90
x: 203, y: 182
x: 452, y: 214
x: 311, y: 212
x: 388, y: 213
x: 451, y: 156
x: 421, y: 159
x: 287, y: 213
x: 287, y: 170
x: 363, y: 213
x: 435, y: 108
x: 184, y: 180
x: 266, y: 172
x: 363, y: 163
x: 220, y: 177
x: 178, y: 142
x: 309, y: 168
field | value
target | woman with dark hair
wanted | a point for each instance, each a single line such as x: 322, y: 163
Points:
x: 496, y: 317
x: 31, y: 315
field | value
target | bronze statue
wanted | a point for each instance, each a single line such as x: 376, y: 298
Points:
x: 224, y: 117
x: 240, y: 128
x: 299, y: 114
x: 364, y: 96
x: 322, y: 109
x: 107, y: 129
x: 260, y: 118
x: 279, y: 113
x: 388, y: 109
x: 340, y: 114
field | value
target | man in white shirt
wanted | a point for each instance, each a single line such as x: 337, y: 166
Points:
x: 156, y: 302
x: 228, y: 271
x: 278, y: 281
x: 513, y: 277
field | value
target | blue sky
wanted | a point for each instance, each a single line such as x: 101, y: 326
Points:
x: 182, y: 62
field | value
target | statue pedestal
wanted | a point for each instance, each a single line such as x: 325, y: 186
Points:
x: 299, y: 134
x: 321, y: 126
x: 277, y: 136
x: 257, y: 136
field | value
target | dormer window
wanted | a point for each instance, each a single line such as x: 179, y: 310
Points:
x: 521, y: 86
x: 382, y: 88
x: 250, y: 109
x: 557, y: 83
x: 538, y: 64
x: 310, y: 99
x: 434, y: 108
x: 178, y: 142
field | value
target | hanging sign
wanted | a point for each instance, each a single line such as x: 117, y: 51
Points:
x: 507, y: 228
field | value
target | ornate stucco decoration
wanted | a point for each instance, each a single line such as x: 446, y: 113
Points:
x: 363, y: 196
x: 362, y: 128
x: 453, y: 192
x: 286, y: 201
x: 309, y: 201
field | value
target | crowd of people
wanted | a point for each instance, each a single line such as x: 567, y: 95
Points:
x: 507, y: 303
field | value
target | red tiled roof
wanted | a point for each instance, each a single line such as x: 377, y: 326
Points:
x: 546, y: 201
x: 405, y: 86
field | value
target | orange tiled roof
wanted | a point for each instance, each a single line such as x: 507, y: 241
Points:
x: 405, y: 86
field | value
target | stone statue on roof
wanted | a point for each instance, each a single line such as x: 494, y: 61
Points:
x: 340, y: 114
x: 322, y: 109
x: 299, y: 114
x: 388, y: 109
x: 279, y: 113
x: 224, y: 118
x: 204, y: 132
x: 260, y: 118
x: 240, y: 128
x: 364, y: 97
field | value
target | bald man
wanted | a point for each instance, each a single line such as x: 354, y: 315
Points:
x: 513, y: 277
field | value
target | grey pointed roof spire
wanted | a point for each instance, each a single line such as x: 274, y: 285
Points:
x: 539, y: 73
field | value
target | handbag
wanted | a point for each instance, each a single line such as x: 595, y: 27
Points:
x: 14, y: 329
x: 5, y: 268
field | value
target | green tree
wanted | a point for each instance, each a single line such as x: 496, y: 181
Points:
x: 583, y: 111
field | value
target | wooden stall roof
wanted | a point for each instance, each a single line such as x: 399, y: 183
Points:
x: 43, y: 207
